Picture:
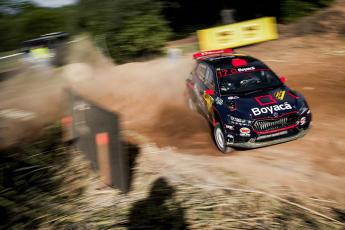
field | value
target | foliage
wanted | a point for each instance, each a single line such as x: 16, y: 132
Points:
x: 27, y: 21
x: 294, y: 9
x: 131, y: 28
x: 141, y: 35
x: 125, y: 25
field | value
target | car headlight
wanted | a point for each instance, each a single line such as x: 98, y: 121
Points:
x: 303, y: 108
x: 238, y: 121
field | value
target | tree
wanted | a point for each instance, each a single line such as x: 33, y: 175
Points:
x: 22, y: 21
x: 294, y: 9
x: 144, y: 34
x: 131, y: 28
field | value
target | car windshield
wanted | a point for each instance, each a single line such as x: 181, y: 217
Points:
x: 247, y: 81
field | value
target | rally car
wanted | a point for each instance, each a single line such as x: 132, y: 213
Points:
x: 247, y: 105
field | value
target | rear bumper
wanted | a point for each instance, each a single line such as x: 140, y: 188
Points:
x: 252, y: 145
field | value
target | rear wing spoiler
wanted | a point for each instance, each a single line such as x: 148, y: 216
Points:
x: 203, y: 54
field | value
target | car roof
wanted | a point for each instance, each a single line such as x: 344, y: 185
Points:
x: 225, y: 60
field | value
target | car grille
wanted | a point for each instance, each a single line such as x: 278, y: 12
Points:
x: 275, y: 123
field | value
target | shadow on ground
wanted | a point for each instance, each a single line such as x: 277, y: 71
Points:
x: 159, y: 210
x: 133, y: 152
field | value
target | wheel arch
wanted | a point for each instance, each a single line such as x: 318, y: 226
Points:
x: 217, y: 117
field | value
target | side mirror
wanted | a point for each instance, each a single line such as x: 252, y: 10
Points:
x: 209, y: 92
x: 282, y: 79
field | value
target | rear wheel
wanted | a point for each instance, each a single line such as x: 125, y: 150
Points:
x: 220, y: 139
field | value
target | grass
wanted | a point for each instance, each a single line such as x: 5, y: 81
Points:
x: 44, y: 184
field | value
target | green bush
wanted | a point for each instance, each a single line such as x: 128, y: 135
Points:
x: 295, y: 9
x: 40, y: 21
x: 30, y: 22
x: 131, y: 29
x: 139, y: 36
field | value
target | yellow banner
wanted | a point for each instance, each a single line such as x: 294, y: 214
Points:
x: 238, y: 34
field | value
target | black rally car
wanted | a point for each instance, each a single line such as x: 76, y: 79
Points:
x: 246, y: 103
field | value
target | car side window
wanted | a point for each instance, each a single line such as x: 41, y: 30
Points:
x: 209, y: 82
x: 201, y: 71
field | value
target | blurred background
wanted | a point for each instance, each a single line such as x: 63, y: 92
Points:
x: 132, y: 29
x: 131, y: 58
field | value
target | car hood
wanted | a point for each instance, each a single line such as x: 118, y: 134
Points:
x: 269, y: 103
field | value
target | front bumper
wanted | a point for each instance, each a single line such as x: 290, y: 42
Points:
x: 252, y: 145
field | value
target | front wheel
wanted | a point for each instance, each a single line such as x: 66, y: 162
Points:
x: 220, y: 140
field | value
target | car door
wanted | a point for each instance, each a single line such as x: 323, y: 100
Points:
x: 209, y: 91
x: 204, y: 88
x: 199, y: 87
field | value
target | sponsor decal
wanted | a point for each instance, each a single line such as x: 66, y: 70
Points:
x: 226, y: 72
x: 271, y: 135
x: 219, y: 101
x: 209, y: 101
x: 266, y: 100
x: 229, y: 127
x: 233, y: 97
x: 244, y: 131
x: 303, y: 120
x: 271, y: 109
x: 239, y: 121
x: 244, y: 134
x: 246, y: 69
x: 280, y: 95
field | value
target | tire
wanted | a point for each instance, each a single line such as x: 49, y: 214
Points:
x: 219, y: 139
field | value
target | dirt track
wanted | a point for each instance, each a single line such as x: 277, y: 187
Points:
x: 149, y: 98
x: 314, y: 164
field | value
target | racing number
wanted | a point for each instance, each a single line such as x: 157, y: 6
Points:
x: 226, y: 72
x: 222, y: 73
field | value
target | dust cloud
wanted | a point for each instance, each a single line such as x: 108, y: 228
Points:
x: 150, y: 98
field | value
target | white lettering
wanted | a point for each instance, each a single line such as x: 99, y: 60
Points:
x: 245, y: 69
x: 287, y: 106
x: 256, y: 111
x: 271, y: 109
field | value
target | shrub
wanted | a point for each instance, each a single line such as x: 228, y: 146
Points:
x: 295, y: 9
x: 139, y: 36
x: 131, y: 29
